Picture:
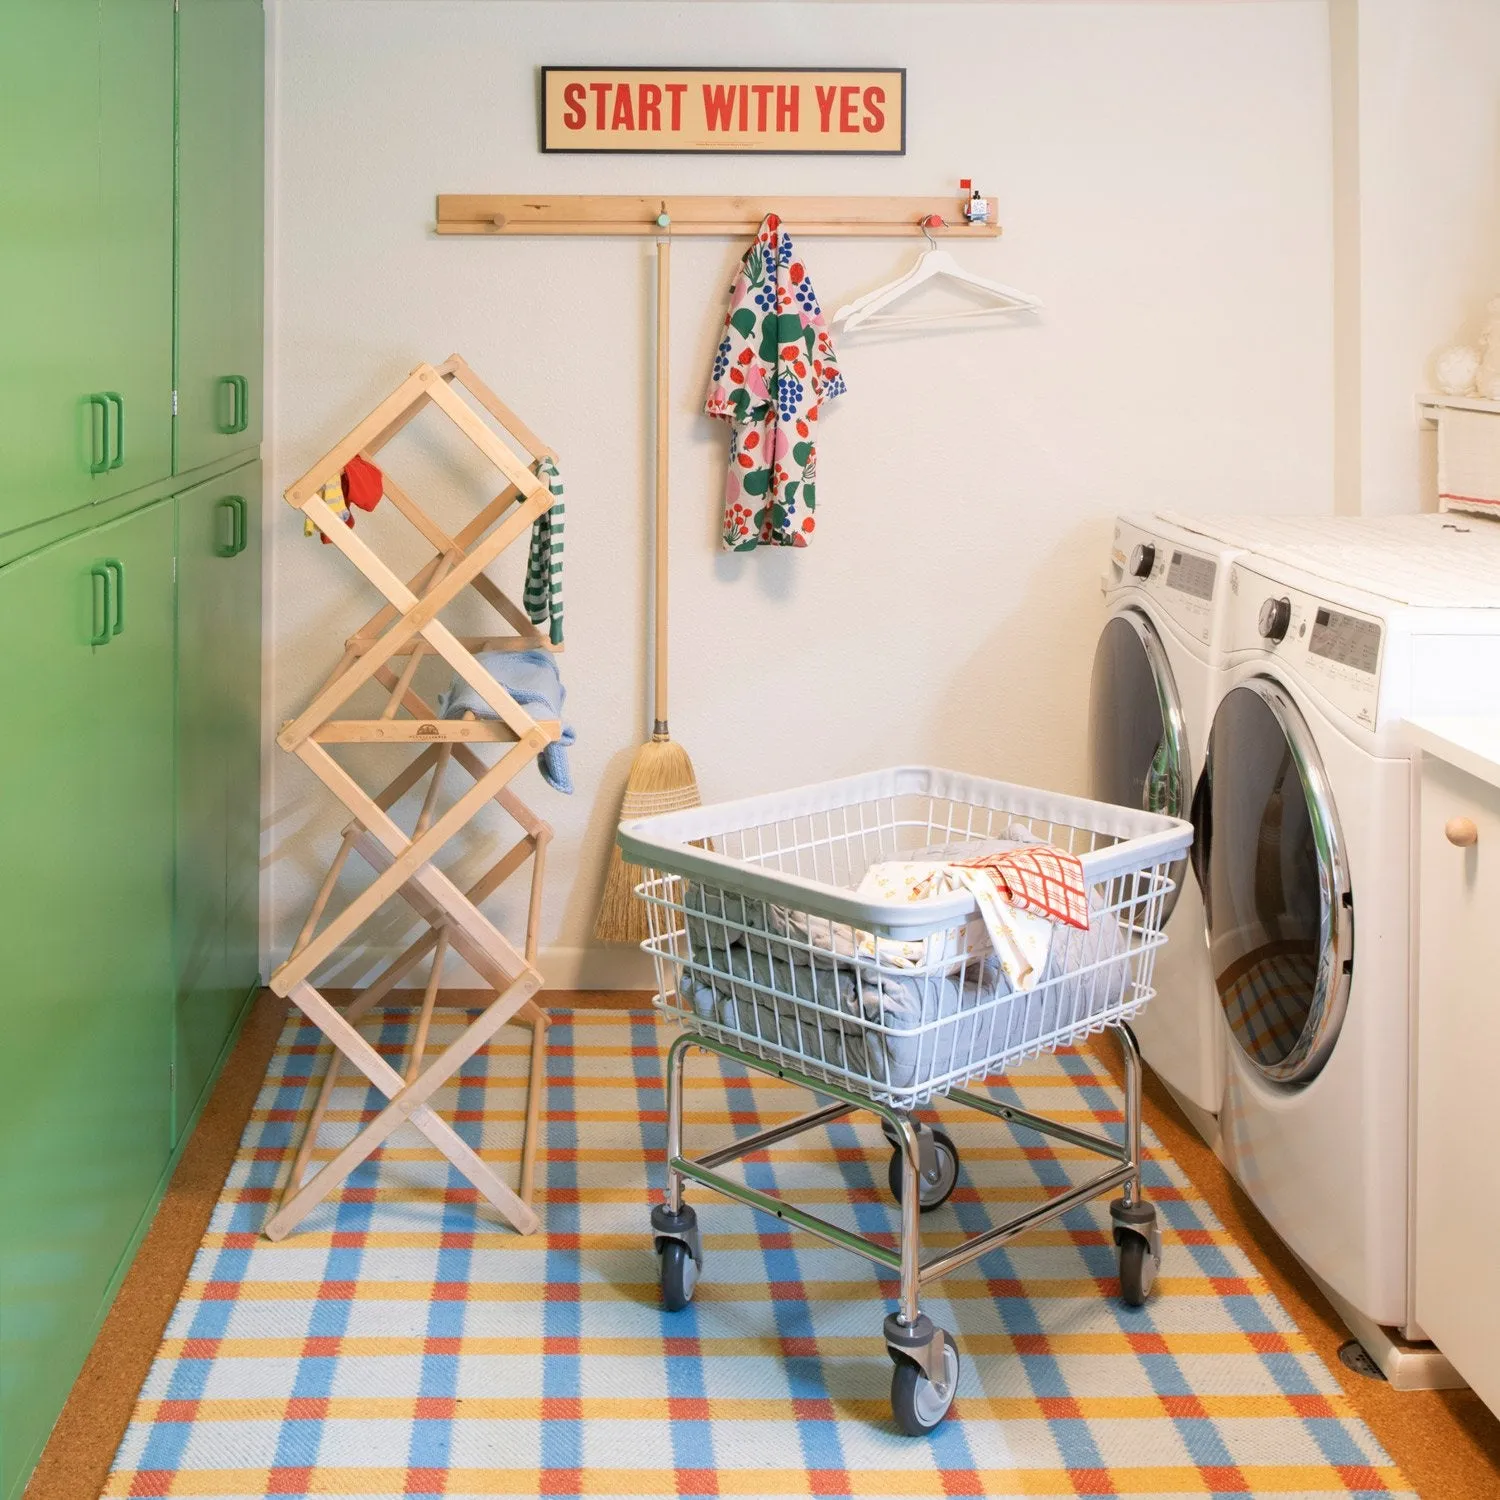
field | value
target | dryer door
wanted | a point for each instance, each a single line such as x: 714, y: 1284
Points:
x: 1138, y: 742
x: 1276, y: 884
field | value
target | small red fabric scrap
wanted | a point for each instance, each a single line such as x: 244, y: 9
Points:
x: 1038, y: 878
x: 362, y: 483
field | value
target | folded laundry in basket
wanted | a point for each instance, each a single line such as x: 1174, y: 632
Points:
x: 1020, y: 888
x: 1021, y: 940
x: 531, y: 678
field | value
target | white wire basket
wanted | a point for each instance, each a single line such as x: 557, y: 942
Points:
x: 761, y: 941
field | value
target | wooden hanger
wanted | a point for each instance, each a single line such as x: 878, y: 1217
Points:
x: 868, y: 311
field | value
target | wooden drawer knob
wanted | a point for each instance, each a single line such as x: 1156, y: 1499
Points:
x: 1462, y: 832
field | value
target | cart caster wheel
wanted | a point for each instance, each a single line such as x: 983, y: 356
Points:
x: 936, y: 1192
x: 1137, y: 1269
x: 679, y: 1275
x: 916, y: 1403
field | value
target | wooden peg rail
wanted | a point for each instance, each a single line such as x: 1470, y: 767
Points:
x: 830, y: 217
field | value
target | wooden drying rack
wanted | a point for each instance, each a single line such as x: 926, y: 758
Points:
x: 405, y: 631
x: 698, y: 216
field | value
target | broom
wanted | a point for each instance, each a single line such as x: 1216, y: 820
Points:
x: 661, y: 775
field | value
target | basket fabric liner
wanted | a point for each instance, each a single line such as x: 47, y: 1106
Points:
x: 860, y: 1017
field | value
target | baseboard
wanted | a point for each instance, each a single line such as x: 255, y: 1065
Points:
x: 614, y: 966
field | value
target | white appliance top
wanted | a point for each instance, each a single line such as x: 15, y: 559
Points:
x: 1446, y: 561
x: 1181, y: 571
x: 1369, y: 658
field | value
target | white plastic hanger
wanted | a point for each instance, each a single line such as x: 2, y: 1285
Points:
x: 868, y: 311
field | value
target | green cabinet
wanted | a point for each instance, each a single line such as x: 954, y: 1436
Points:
x: 218, y: 782
x: 132, y: 182
x: 86, y: 891
x: 221, y: 191
x: 86, y: 110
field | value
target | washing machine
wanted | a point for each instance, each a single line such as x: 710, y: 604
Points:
x: 1304, y: 854
x: 1151, y: 696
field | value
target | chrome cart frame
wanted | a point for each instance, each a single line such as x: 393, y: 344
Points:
x: 908, y: 1332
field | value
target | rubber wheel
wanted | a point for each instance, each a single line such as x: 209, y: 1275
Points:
x: 679, y: 1275
x: 916, y: 1403
x: 1137, y: 1270
x: 934, y: 1194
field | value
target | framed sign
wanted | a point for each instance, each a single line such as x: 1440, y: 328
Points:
x: 762, y: 111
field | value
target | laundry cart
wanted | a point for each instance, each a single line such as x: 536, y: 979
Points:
x: 767, y: 954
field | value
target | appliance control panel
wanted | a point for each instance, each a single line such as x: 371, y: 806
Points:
x: 1335, y: 651
x: 1182, y: 581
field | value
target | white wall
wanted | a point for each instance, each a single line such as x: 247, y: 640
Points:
x: 1164, y: 176
x: 1419, y: 175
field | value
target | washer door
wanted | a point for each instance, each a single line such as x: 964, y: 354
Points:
x: 1138, y: 742
x: 1275, y: 884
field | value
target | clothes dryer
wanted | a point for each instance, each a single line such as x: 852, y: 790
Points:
x: 1304, y: 812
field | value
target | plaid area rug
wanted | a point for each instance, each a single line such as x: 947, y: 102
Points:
x: 401, y: 1343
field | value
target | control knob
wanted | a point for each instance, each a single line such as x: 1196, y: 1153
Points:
x: 1142, y: 559
x: 1275, y: 616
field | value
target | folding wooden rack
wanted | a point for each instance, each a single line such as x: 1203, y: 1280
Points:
x: 404, y: 631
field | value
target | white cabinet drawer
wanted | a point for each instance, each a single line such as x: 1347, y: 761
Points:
x: 1457, y: 1242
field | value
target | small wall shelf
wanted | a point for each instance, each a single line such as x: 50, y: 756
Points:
x: 1430, y: 403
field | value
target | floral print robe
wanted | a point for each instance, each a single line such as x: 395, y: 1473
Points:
x: 773, y: 369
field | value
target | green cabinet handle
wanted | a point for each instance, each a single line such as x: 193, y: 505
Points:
x: 239, y: 404
x: 101, y: 603
x: 118, y: 569
x: 99, y: 437
x: 119, y: 401
x: 241, y: 524
x: 231, y: 384
x: 232, y: 547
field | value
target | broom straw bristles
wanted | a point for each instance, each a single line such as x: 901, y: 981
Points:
x: 661, y: 780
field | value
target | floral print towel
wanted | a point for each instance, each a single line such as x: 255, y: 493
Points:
x: 773, y: 368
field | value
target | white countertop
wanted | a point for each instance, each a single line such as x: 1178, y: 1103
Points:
x: 1470, y: 743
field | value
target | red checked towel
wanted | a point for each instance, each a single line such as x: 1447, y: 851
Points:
x: 1038, y: 878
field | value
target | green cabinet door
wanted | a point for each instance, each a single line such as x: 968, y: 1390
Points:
x: 218, y: 776
x: 220, y: 246
x: 86, y: 107
x: 207, y: 528
x: 53, y: 603
x: 85, y: 946
x: 49, y: 261
x: 134, y: 348
x: 241, y: 661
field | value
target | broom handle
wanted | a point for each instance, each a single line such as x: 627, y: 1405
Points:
x: 663, y: 383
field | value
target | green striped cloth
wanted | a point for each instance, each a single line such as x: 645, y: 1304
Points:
x: 544, y: 563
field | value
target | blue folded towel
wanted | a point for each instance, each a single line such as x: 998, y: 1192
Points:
x: 530, y: 677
